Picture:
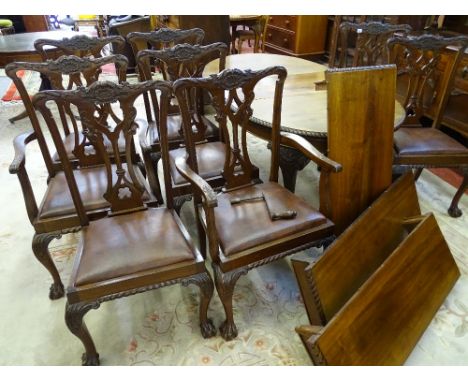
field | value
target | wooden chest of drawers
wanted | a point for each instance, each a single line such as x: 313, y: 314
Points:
x: 300, y: 36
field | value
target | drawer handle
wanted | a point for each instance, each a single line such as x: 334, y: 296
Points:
x: 269, y: 35
x: 287, y: 22
x: 286, y: 41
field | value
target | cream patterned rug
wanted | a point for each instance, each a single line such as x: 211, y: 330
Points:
x: 160, y: 327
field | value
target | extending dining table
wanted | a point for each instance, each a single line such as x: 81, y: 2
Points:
x: 304, y: 106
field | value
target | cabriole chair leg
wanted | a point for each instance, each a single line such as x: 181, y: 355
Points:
x: 74, y: 314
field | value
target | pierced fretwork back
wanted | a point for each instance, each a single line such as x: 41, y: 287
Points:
x: 232, y: 93
x: 182, y: 61
x: 126, y: 186
x: 66, y: 72
x: 418, y: 62
x: 371, y: 42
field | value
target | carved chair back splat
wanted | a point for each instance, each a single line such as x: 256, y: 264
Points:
x: 181, y: 60
x: 422, y: 85
x: 424, y: 90
x: 125, y: 183
x: 232, y: 94
x: 66, y: 72
x: 371, y: 42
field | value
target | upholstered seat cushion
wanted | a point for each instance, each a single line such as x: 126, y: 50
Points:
x: 426, y: 141
x: 92, y: 184
x: 210, y: 157
x: 248, y: 224
x: 126, y: 244
x: 173, y: 128
x: 69, y: 144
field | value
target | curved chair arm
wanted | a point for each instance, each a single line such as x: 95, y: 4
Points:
x: 19, y: 144
x: 197, y: 182
x: 18, y: 167
x: 306, y: 148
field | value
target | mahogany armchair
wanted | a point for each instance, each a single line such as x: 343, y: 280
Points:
x: 55, y: 214
x: 66, y: 72
x: 136, y: 248
x: 184, y: 60
x: 247, y: 224
x: 370, y: 38
x: 424, y: 89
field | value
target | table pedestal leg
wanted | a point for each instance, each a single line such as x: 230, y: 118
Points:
x: 291, y: 161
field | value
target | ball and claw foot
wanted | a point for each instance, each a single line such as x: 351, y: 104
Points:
x: 90, y: 360
x: 56, y: 291
x: 455, y: 212
x: 228, y: 330
x: 207, y: 329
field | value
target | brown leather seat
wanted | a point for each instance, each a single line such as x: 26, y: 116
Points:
x: 128, y: 244
x: 248, y: 224
x: 69, y: 144
x: 426, y: 141
x: 173, y: 130
x: 92, y: 184
x: 210, y: 158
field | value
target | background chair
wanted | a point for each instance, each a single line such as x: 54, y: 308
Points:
x: 56, y: 214
x: 181, y: 61
x: 66, y: 72
x: 247, y: 224
x: 370, y: 39
x: 256, y: 32
x: 421, y: 88
x: 136, y: 248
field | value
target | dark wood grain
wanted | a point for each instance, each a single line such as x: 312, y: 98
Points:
x: 361, y: 108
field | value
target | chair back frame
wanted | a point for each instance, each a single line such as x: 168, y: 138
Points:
x: 232, y: 93
x: 77, y: 69
x: 182, y: 61
x: 124, y: 187
x: 418, y: 58
x: 371, y: 42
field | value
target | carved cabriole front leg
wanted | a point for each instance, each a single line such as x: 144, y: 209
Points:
x: 225, y: 283
x: 74, y: 314
x: 40, y: 247
x: 205, y: 283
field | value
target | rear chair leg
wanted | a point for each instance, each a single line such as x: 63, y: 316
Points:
x: 74, y: 314
x: 40, y: 247
x: 205, y: 283
x: 225, y: 283
x: 454, y: 211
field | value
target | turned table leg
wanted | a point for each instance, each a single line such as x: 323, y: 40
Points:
x: 291, y: 161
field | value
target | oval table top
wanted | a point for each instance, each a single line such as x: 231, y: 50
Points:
x: 304, y: 109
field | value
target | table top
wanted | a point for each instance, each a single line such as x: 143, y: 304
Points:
x: 24, y: 42
x: 304, y: 109
x: 240, y: 18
